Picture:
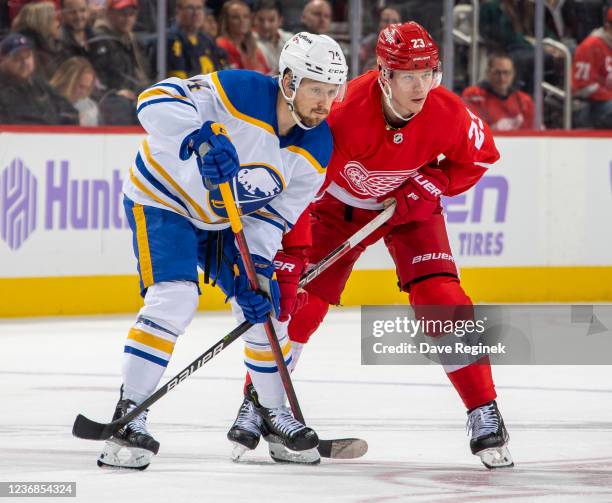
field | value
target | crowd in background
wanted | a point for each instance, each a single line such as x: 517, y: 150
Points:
x: 84, y: 62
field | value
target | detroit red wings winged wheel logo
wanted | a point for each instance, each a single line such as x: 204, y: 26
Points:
x: 373, y: 183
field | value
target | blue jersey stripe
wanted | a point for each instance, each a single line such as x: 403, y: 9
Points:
x: 176, y: 87
x: 272, y: 210
x: 265, y: 370
x: 161, y: 100
x: 146, y: 356
x: 268, y: 221
x: 152, y: 324
x: 157, y: 184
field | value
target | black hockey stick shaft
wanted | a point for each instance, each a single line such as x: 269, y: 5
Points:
x: 87, y: 429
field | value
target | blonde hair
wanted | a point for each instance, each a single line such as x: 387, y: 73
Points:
x: 37, y: 17
x: 249, y: 44
x: 67, y: 76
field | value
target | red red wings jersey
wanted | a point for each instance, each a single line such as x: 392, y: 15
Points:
x: 512, y: 112
x: 592, y: 77
x: 369, y: 160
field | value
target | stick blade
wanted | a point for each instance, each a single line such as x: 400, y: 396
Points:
x: 343, y: 448
x: 90, y: 430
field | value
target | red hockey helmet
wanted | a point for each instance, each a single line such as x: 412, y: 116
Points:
x: 407, y: 46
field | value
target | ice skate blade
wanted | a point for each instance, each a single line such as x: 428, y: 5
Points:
x: 238, y: 451
x: 280, y: 454
x: 115, y: 455
x: 496, y: 457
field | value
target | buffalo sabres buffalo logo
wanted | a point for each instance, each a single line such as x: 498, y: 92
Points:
x: 373, y: 183
x: 255, y: 186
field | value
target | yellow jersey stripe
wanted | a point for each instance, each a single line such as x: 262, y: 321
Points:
x: 144, y: 189
x: 175, y: 185
x: 142, y: 238
x: 158, y: 91
x: 309, y: 157
x: 151, y: 340
x: 235, y: 112
x: 265, y: 356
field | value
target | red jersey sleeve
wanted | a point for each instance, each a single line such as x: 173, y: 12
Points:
x: 471, y: 153
x: 299, y: 238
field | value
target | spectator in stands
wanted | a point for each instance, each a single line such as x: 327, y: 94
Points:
x: 75, y: 32
x: 96, y: 10
x: 507, y: 25
x: 497, y: 101
x: 74, y: 80
x: 268, y: 20
x: 116, y: 53
x: 39, y: 22
x: 15, y: 6
x: 210, y: 27
x: 190, y: 51
x: 367, y: 52
x: 316, y: 17
x: 238, y: 40
x: 25, y: 98
x: 592, y: 77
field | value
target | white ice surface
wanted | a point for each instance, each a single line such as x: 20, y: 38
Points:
x: 559, y: 418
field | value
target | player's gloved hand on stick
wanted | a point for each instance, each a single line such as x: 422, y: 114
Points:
x: 256, y: 305
x: 418, y: 198
x: 289, y: 268
x: 216, y: 155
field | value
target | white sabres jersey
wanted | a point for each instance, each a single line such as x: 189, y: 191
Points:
x: 278, y: 177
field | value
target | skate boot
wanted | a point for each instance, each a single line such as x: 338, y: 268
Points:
x: 132, y: 446
x: 246, y: 430
x: 489, y: 436
x: 278, y: 450
x: 280, y: 427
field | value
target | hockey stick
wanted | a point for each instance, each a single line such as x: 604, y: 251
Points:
x: 247, y: 260
x: 339, y: 448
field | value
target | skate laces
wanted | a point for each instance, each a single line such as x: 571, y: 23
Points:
x: 139, y: 423
x: 284, y: 421
x: 247, y: 418
x: 483, y: 421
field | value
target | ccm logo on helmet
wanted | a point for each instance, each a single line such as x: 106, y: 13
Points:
x: 283, y: 266
x: 432, y: 256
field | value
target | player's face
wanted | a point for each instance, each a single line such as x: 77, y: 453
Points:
x: 314, y: 100
x: 410, y: 88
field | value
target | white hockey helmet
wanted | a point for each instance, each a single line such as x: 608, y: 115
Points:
x: 316, y: 57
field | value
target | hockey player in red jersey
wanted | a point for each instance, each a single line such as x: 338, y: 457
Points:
x: 399, y: 134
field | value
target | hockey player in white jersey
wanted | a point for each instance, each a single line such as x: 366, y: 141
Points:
x: 266, y: 136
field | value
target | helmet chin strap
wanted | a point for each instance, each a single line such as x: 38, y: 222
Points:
x: 291, y: 106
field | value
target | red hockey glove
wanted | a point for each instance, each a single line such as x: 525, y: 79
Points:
x: 289, y: 268
x: 419, y: 197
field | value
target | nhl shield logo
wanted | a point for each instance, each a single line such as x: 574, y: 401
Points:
x: 398, y: 138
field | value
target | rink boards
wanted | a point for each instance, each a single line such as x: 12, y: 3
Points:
x: 535, y: 229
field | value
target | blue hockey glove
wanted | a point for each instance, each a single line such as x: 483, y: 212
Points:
x: 256, y: 305
x: 216, y: 155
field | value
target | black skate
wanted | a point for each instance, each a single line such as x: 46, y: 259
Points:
x: 279, y: 426
x: 246, y: 430
x: 132, y: 446
x: 489, y: 436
